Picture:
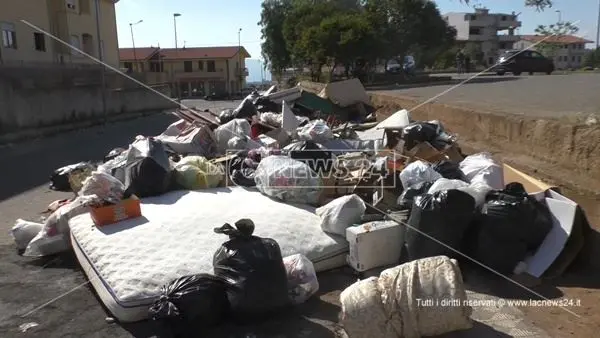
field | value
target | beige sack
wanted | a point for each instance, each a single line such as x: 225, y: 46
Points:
x: 405, y: 289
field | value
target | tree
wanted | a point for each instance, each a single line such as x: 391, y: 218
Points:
x: 540, y: 5
x: 274, y: 50
x: 553, y: 35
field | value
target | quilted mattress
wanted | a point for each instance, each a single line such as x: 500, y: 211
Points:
x: 129, y: 261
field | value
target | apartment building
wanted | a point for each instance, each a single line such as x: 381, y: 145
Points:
x: 488, y: 34
x: 569, y: 50
x: 192, y: 71
x: 72, y: 21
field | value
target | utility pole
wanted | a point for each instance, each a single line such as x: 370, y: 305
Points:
x: 101, y: 58
x: 133, y: 41
x: 175, y: 15
x: 598, y: 28
x: 240, y: 57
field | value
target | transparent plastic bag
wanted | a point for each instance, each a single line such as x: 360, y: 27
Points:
x: 302, y: 278
x: 418, y: 172
x: 341, y: 213
x: 234, y: 128
x: 316, y: 130
x: 288, y: 180
x: 103, y: 185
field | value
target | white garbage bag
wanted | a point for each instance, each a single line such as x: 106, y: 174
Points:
x: 302, y: 278
x: 418, y: 172
x: 316, y: 130
x: 24, y: 231
x: 341, y: 213
x: 446, y: 184
x: 54, y: 236
x: 287, y: 179
x: 234, y: 128
x: 479, y: 191
x: 482, y: 168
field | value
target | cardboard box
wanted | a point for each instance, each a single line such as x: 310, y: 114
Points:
x: 110, y: 214
x: 426, y: 152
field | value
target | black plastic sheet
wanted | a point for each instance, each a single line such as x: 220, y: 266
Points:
x: 449, y: 170
x: 408, y: 195
x: 148, y: 170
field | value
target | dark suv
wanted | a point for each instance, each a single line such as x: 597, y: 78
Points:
x: 529, y: 61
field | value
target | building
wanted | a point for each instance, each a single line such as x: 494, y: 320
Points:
x: 486, y: 34
x: 73, y: 21
x: 192, y: 71
x: 569, y: 50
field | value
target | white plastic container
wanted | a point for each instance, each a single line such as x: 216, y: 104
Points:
x: 375, y: 244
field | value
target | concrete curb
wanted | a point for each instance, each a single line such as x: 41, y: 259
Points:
x: 40, y: 133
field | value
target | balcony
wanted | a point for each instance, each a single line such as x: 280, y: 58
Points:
x: 241, y: 72
x: 478, y: 37
x: 508, y: 38
x: 219, y: 73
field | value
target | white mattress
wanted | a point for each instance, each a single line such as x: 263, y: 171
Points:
x: 128, y: 262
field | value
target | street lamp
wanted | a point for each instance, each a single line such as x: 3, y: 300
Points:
x: 240, y: 56
x: 559, y: 15
x: 598, y: 28
x: 133, y: 40
x: 175, y: 15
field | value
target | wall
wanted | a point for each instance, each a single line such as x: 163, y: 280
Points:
x: 35, y: 12
x: 33, y: 98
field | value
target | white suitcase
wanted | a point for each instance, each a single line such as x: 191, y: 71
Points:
x: 375, y: 244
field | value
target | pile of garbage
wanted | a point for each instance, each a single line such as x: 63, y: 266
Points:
x: 326, y: 150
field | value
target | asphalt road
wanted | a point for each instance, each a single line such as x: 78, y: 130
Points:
x: 537, y: 95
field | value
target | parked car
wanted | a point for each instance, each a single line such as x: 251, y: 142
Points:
x: 517, y: 61
x: 408, y: 66
x: 217, y: 96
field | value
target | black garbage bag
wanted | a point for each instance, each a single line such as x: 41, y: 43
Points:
x: 148, y: 170
x: 265, y: 105
x: 405, y: 200
x: 59, y: 180
x: 449, y: 170
x: 512, y: 212
x: 253, y: 270
x: 190, y: 304
x: 244, y: 177
x: 418, y: 132
x: 226, y: 115
x: 318, y: 160
x: 444, y: 215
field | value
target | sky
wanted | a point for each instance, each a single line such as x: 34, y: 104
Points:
x: 216, y: 22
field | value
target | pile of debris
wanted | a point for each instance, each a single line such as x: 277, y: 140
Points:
x: 400, y: 186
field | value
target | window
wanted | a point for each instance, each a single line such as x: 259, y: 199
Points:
x: 210, y: 66
x: 156, y: 67
x: 579, y: 58
x: 187, y: 66
x: 503, y: 18
x: 39, y: 42
x: 71, y: 4
x: 201, y: 66
x: 128, y: 65
x: 75, y: 43
x: 9, y: 35
x: 537, y: 55
x: 573, y: 58
x: 473, y: 17
x: 474, y: 31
